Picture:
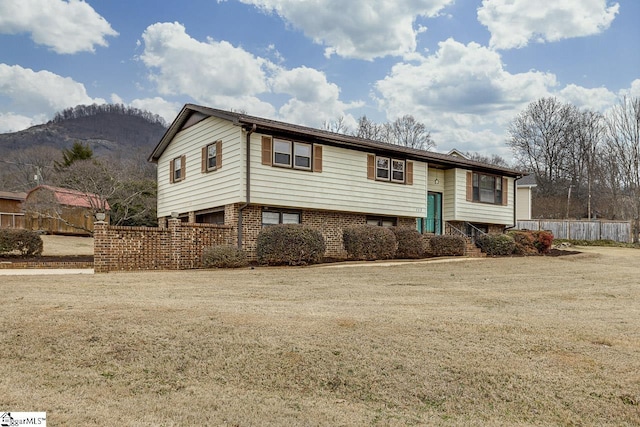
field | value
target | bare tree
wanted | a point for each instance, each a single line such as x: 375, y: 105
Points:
x: 493, y: 159
x: 623, y: 142
x: 24, y: 169
x: 336, y: 126
x: 408, y: 132
x: 405, y: 131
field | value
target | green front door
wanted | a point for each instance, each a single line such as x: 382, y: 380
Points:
x: 434, y: 213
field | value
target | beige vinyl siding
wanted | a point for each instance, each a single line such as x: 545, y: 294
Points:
x: 341, y: 186
x: 202, y: 190
x: 436, y: 174
x: 449, y: 198
x: 523, y: 205
x: 463, y: 210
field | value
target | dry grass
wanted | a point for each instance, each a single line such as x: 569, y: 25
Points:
x: 521, y: 341
x: 66, y: 245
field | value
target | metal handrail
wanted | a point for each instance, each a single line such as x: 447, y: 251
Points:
x: 464, y: 234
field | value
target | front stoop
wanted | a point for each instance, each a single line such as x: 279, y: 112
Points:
x: 472, y: 251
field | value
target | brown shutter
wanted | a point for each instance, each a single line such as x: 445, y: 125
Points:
x: 266, y: 151
x: 371, y: 166
x: 409, y: 173
x: 172, y: 171
x: 469, y: 186
x: 505, y: 191
x: 218, y: 154
x: 317, y: 158
x: 205, y: 154
x: 183, y: 166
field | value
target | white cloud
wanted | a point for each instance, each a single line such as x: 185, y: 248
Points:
x: 10, y: 122
x: 221, y: 75
x: 633, y: 91
x: 461, y: 87
x: 363, y: 29
x: 597, y: 99
x: 165, y: 109
x: 514, y: 23
x: 39, y: 94
x: 65, y: 26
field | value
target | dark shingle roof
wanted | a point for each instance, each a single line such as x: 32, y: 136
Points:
x: 323, y: 137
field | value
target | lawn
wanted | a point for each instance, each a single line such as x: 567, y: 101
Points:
x: 511, y: 341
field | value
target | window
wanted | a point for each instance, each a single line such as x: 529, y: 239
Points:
x: 270, y: 217
x: 486, y: 188
x: 302, y: 155
x: 281, y: 153
x: 388, y: 169
x: 291, y: 154
x: 382, y: 168
x: 382, y: 221
x: 397, y: 170
x: 177, y: 170
x: 212, y: 157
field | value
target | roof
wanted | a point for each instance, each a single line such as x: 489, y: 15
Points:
x: 9, y: 195
x: 320, y: 136
x: 527, y: 181
x: 68, y: 197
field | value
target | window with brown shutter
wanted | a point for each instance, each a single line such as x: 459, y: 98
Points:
x: 485, y: 188
x: 389, y: 169
x: 289, y: 154
x: 409, y: 173
x: 371, y: 166
x: 177, y: 169
x: 505, y: 191
x: 212, y: 157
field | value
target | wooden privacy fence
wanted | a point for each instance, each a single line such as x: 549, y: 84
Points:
x: 619, y: 231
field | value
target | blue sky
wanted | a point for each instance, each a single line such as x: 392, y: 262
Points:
x: 465, y: 68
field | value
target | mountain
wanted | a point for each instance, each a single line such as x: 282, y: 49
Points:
x: 107, y: 129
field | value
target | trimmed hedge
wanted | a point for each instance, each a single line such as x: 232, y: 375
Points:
x: 410, y: 242
x: 225, y: 256
x: 532, y: 242
x: 496, y: 244
x: 525, y: 243
x: 369, y: 242
x: 27, y: 243
x: 290, y: 244
x: 447, y: 245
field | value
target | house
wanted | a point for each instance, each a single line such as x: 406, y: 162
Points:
x: 524, y: 189
x: 56, y: 210
x: 229, y: 168
x: 11, y: 214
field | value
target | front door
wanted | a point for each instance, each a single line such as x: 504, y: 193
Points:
x: 434, y: 213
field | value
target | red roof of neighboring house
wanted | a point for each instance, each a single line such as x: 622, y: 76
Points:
x: 68, y: 197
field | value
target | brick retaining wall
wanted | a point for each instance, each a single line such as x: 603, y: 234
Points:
x: 179, y: 246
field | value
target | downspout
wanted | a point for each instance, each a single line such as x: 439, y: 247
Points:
x: 247, y: 184
x: 515, y: 203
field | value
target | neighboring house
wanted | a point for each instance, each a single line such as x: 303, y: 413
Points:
x: 524, y: 190
x: 11, y: 214
x: 247, y: 172
x: 56, y: 210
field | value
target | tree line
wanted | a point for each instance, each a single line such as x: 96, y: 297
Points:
x: 587, y: 164
x: 80, y: 111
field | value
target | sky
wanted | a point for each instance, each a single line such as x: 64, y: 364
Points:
x: 464, y: 68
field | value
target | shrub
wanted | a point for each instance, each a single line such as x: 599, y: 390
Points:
x: 290, y: 244
x: 369, y: 242
x: 525, y: 243
x: 496, y: 244
x: 27, y: 243
x: 543, y: 241
x: 447, y: 245
x: 410, y: 242
x: 225, y: 256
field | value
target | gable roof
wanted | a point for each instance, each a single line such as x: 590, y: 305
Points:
x: 527, y: 181
x: 9, y: 195
x: 191, y: 114
x: 68, y: 197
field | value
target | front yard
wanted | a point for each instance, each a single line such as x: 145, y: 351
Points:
x: 506, y: 341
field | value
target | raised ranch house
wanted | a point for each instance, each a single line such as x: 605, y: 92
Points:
x: 247, y: 172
